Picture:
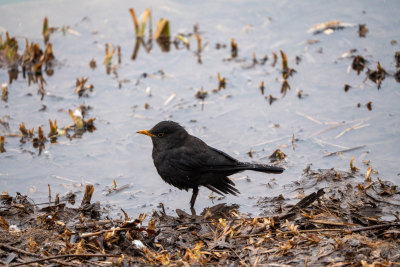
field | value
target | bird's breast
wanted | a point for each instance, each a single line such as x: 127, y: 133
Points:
x: 170, y: 173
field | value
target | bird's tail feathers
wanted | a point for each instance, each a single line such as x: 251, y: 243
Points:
x: 259, y: 167
x: 224, y: 186
x: 242, y: 166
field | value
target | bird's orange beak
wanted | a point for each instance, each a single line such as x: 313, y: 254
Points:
x: 146, y: 132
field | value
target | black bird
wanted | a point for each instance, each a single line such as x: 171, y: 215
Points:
x: 185, y: 161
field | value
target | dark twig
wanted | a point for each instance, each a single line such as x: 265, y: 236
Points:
x: 355, y: 230
x: 375, y: 227
x: 163, y: 208
x: 302, y: 204
x: 237, y: 255
x: 32, y: 255
x: 65, y: 256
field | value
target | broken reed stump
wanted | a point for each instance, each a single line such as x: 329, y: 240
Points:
x: 92, y: 210
x: 89, y: 189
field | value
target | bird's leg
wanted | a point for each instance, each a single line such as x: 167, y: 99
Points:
x: 194, y: 196
x: 193, y: 211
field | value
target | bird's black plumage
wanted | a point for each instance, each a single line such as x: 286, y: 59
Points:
x: 185, y: 161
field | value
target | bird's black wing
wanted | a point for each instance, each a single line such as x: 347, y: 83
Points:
x: 202, y: 158
x: 199, y: 165
x: 204, y: 168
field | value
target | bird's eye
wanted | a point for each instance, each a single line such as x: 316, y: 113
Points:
x: 160, y: 134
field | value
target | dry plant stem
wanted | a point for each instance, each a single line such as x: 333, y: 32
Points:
x: 163, y: 208
x: 326, y: 209
x: 237, y: 255
x: 49, y: 194
x: 188, y: 223
x: 344, y: 150
x: 375, y: 227
x: 322, y: 230
x: 305, y: 202
x: 300, y: 231
x: 328, y: 129
x: 331, y: 223
x: 89, y: 189
x: 308, y: 117
x: 134, y: 19
x: 13, y: 135
x: 32, y: 255
x: 306, y: 261
x: 104, y: 231
x: 256, y: 261
x: 354, y: 127
x: 47, y: 203
x: 65, y: 256
x: 92, y: 224
x: 323, y: 142
x: 116, y: 190
x: 273, y: 140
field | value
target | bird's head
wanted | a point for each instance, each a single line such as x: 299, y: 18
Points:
x: 166, y: 135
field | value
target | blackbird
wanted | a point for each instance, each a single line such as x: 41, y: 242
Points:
x: 185, y: 161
